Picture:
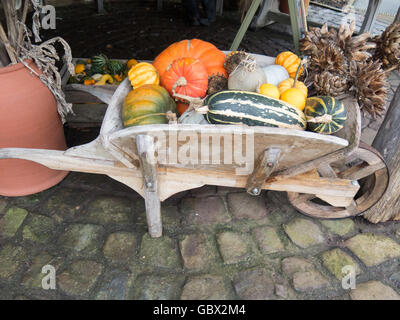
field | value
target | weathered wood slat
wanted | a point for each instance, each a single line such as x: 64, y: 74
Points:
x: 387, y: 142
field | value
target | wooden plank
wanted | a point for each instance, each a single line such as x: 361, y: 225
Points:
x: 265, y: 165
x: 148, y: 162
x: 92, y: 158
x: 370, y: 16
x: 387, y: 143
x: 294, y: 21
x: 240, y: 145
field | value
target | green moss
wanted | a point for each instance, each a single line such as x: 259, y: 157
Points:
x: 11, y: 221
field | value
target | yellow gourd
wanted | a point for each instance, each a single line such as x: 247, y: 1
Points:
x: 143, y: 73
x: 269, y: 90
x: 295, y: 97
x: 79, y: 68
x: 104, y: 79
x: 288, y: 84
x: 289, y: 61
x: 131, y: 63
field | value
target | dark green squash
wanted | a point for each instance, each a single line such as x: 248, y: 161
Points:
x: 252, y: 109
x: 325, y: 114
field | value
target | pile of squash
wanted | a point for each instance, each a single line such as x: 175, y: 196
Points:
x: 232, y: 88
x: 100, y: 70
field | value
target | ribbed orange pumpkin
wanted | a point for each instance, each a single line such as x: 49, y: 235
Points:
x: 288, y: 84
x: 211, y: 58
x: 181, y: 107
x: 143, y: 73
x: 290, y: 62
x: 187, y: 77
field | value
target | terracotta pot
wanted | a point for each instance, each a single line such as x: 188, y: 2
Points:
x: 28, y: 119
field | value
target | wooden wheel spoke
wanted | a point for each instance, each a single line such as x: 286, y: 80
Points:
x: 365, y: 162
x: 361, y: 171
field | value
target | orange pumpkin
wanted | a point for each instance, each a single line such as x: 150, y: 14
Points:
x: 288, y: 84
x: 181, y: 107
x: 290, y: 62
x: 143, y: 73
x: 211, y: 58
x: 187, y: 77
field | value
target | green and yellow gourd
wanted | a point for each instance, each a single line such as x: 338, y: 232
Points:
x: 325, y: 114
x: 148, y: 104
x: 252, y: 109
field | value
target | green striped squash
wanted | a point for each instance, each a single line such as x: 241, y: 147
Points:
x: 252, y: 109
x: 147, y: 104
x: 325, y: 114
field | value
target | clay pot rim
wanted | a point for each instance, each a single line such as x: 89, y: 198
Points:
x: 15, y: 67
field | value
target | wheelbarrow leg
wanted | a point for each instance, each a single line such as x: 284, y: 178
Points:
x: 263, y: 168
x: 148, y: 162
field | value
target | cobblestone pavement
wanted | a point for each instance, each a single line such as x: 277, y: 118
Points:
x: 218, y: 243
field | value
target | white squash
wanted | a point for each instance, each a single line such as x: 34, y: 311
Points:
x: 192, y: 117
x: 246, y: 77
x: 275, y: 74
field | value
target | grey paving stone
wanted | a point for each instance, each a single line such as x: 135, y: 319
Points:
x: 158, y: 287
x: 235, y: 247
x: 304, y: 232
x: 268, y: 240
x: 11, y: 221
x: 12, y: 258
x: 206, y: 287
x: 198, y: 251
x: 340, y: 227
x: 115, y: 286
x: 110, y: 210
x: 304, y: 281
x: 242, y: 205
x: 120, y: 246
x: 373, y: 249
x: 64, y: 204
x: 254, y: 284
x: 334, y: 260
x: 82, y: 239
x: 39, y: 229
x: 33, y: 277
x: 80, y: 277
x: 209, y: 210
x: 373, y: 290
x: 291, y: 265
x: 160, y: 252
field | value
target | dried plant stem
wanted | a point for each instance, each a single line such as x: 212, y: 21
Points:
x: 20, y: 27
x: 4, y: 58
x: 10, y: 20
x: 392, y: 68
x: 298, y: 71
x: 7, y: 45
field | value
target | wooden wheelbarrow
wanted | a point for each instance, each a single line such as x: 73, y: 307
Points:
x: 325, y: 176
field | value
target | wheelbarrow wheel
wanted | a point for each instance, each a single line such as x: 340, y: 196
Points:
x: 367, y: 166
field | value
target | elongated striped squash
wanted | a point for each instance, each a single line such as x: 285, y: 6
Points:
x: 325, y: 114
x: 253, y: 109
